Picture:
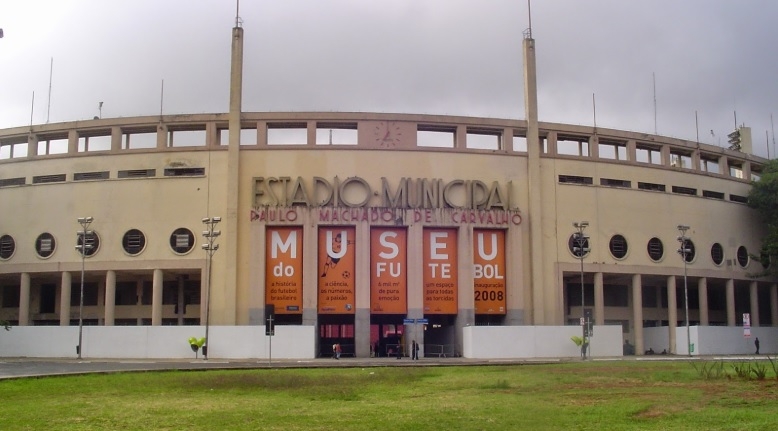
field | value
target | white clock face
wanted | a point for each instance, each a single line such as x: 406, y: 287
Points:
x: 387, y: 134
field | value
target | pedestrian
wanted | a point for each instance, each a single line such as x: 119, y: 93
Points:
x: 337, y: 351
x: 415, y: 351
x: 756, y: 343
x: 399, y: 350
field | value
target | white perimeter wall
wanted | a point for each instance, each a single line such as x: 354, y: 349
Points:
x: 496, y: 342
x: 157, y: 342
x: 714, y: 340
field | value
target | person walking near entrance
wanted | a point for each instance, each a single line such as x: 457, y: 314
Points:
x: 756, y: 344
x: 399, y: 349
x: 414, y: 351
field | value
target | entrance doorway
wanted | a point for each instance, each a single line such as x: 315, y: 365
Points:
x: 387, y: 335
x: 336, y: 329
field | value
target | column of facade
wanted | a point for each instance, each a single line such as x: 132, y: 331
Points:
x: 110, y: 298
x: 672, y: 313
x: 753, y: 290
x: 362, y: 279
x: 24, y: 300
x: 637, y: 312
x: 64, y: 299
x: 774, y: 303
x: 180, y: 311
x: 730, y: 288
x: 139, y: 302
x: 156, y: 298
x: 599, y: 300
x: 702, y: 291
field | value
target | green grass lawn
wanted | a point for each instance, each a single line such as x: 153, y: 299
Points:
x: 628, y: 395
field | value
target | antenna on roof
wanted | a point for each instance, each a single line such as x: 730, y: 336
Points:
x: 161, y: 98
x: 238, y: 21
x: 653, y: 75
x: 32, y: 107
x: 48, y: 107
x: 529, y: 15
x: 594, y: 113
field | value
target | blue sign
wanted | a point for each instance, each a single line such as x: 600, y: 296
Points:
x: 423, y: 321
x: 408, y: 322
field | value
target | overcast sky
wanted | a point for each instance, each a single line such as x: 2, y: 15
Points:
x: 461, y: 57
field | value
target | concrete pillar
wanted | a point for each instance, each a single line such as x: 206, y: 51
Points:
x: 64, y: 299
x: 362, y: 278
x: 311, y: 133
x: 672, y: 312
x: 724, y: 165
x: 594, y: 147
x: 162, y: 136
x: 774, y: 304
x: 224, y: 279
x: 156, y: 298
x: 24, y: 300
x: 730, y: 288
x: 632, y: 152
x: 599, y: 300
x: 139, y: 302
x: 180, y: 301
x: 460, y: 137
x: 32, y: 145
x: 637, y: 312
x: 696, y: 160
x: 116, y: 138
x: 702, y: 289
x: 753, y: 290
x: 110, y: 298
x: 534, y: 180
x: 73, y: 142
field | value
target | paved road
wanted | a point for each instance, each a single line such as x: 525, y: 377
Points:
x: 11, y: 368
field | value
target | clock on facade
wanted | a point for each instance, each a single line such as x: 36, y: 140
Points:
x: 387, y: 134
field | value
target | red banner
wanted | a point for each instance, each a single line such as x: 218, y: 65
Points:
x: 388, y: 273
x: 284, y: 269
x: 440, y: 271
x: 336, y: 269
x: 489, y: 271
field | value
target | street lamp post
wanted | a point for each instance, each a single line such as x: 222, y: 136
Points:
x: 684, y: 252
x: 83, y: 244
x: 580, y: 249
x: 210, y: 248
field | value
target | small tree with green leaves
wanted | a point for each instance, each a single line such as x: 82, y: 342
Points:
x: 196, y: 344
x: 5, y: 324
x: 764, y: 198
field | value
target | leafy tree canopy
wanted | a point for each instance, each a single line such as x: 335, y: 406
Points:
x: 764, y: 198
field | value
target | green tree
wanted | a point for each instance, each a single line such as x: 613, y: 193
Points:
x: 5, y: 325
x: 764, y: 198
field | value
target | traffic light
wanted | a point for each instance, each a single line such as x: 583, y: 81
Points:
x: 270, y: 317
x: 580, y: 244
x: 588, y: 323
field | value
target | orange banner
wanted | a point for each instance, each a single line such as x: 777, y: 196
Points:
x: 440, y: 271
x: 388, y: 274
x: 284, y: 269
x: 337, y: 253
x: 489, y: 271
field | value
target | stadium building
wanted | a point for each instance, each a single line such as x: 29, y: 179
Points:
x: 370, y: 230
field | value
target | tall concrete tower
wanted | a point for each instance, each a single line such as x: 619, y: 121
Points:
x: 534, y: 149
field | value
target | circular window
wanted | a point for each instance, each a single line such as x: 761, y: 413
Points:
x: 7, y: 247
x: 133, y: 242
x: 655, y: 249
x: 618, y: 246
x: 182, y: 240
x: 92, y: 243
x: 717, y: 253
x: 742, y: 256
x: 691, y: 252
x: 578, y: 246
x: 45, y: 245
